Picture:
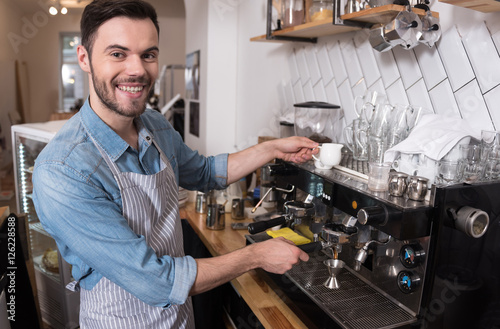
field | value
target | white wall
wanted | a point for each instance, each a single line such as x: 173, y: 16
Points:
x: 10, y: 20
x: 39, y: 47
x: 41, y: 54
x: 197, y: 39
x: 266, y: 85
x: 237, y: 94
x: 213, y: 30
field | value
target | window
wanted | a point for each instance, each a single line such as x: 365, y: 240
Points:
x: 73, y: 88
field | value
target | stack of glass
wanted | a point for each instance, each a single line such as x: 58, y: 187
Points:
x: 474, y: 162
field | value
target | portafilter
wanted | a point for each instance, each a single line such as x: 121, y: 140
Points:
x: 295, y: 212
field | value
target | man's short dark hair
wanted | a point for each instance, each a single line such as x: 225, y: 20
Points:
x: 99, y: 11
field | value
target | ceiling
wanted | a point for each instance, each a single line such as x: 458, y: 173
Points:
x: 164, y: 8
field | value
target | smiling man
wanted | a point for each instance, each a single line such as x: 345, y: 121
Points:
x: 106, y: 186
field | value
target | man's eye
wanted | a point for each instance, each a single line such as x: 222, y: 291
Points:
x: 117, y: 55
x: 149, y: 56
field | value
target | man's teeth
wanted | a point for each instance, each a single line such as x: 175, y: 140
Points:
x: 132, y: 90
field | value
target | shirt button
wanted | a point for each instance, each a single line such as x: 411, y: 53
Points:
x: 148, y: 138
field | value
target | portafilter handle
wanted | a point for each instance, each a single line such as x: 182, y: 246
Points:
x: 258, y: 227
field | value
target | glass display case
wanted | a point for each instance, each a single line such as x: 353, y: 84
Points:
x: 59, y: 306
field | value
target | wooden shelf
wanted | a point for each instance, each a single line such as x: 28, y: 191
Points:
x: 378, y: 15
x: 382, y: 14
x: 485, y: 6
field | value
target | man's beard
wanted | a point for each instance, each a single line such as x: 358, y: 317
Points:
x: 136, y: 107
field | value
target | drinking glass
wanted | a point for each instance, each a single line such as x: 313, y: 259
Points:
x: 472, y: 168
x: 376, y: 149
x: 356, y: 138
x: 491, y: 169
x: 378, y: 177
x: 448, y: 172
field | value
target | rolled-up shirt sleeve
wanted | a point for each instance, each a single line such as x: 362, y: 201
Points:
x: 91, y: 233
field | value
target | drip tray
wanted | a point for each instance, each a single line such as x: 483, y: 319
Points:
x: 355, y: 305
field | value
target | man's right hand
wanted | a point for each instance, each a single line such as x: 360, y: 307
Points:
x: 277, y: 255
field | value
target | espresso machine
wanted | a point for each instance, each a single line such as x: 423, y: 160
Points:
x: 403, y: 263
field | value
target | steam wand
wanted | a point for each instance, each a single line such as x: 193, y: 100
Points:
x: 274, y: 188
x: 363, y: 252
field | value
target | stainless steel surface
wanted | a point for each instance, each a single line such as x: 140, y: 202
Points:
x: 274, y: 188
x: 352, y: 6
x: 201, y: 203
x: 398, y: 183
x: 334, y: 267
x: 431, y: 30
x: 238, y: 208
x: 473, y: 222
x: 417, y: 188
x: 353, y: 175
x: 378, y: 40
x: 355, y: 304
x: 378, y: 3
x: 349, y: 163
x: 297, y: 209
x: 414, y: 255
x: 215, y: 217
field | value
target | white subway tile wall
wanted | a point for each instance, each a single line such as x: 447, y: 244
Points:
x: 483, y: 56
x: 431, y: 66
x: 312, y: 63
x: 473, y: 107
x: 387, y: 66
x: 309, y: 91
x: 396, y: 93
x: 324, y: 65
x: 443, y: 100
x: 459, y: 76
x: 338, y: 66
x: 455, y: 60
x: 351, y: 61
x: 300, y: 55
x: 407, y: 65
x: 292, y: 66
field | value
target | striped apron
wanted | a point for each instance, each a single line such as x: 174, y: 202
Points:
x: 150, y: 206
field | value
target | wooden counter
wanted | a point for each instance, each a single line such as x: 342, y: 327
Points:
x: 269, y: 308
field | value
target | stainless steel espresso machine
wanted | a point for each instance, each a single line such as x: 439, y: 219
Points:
x: 404, y: 263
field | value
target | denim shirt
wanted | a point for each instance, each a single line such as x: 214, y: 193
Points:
x: 78, y: 202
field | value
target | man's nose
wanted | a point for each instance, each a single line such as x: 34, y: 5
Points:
x: 135, y: 66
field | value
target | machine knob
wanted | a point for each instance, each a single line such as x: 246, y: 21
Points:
x: 411, y: 255
x: 280, y: 169
x: 408, y: 282
x: 372, y: 215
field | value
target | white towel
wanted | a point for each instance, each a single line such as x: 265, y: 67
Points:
x: 434, y: 136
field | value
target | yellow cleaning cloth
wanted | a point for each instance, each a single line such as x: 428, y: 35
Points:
x: 287, y: 233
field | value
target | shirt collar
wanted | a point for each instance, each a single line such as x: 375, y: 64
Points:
x: 103, y: 135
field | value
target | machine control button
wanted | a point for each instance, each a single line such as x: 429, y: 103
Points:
x: 372, y: 215
x: 327, y: 194
x: 411, y: 255
x: 408, y: 282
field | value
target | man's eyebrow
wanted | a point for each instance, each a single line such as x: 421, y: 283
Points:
x: 154, y: 48
x: 110, y: 47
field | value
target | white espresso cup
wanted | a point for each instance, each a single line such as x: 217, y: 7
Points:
x: 329, y: 155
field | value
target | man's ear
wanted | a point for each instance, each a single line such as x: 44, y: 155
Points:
x: 83, y: 58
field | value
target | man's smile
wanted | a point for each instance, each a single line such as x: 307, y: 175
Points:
x: 131, y: 89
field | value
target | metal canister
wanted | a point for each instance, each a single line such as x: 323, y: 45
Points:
x: 417, y: 188
x: 238, y: 209
x: 201, y: 203
x: 398, y: 182
x: 216, y: 217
